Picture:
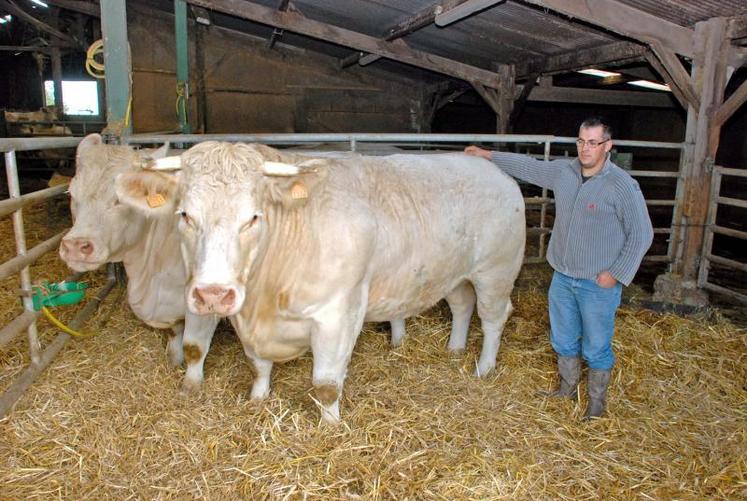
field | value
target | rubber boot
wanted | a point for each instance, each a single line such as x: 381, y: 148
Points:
x: 569, y: 369
x: 597, y: 388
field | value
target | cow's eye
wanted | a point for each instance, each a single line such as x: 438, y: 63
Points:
x: 250, y: 224
x: 187, y: 220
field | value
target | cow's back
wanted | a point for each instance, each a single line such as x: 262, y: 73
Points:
x: 438, y: 219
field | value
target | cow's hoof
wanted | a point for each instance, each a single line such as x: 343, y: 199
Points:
x: 483, y: 370
x: 259, y: 395
x: 190, y: 388
x: 175, y: 361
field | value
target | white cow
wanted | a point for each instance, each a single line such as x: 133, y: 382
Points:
x: 300, y: 252
x: 148, y: 245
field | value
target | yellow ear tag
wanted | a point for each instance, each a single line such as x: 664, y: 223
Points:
x: 298, y: 191
x: 155, y: 200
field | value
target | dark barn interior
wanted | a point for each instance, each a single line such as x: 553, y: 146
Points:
x: 670, y: 77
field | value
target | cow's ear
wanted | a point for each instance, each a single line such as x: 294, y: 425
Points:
x: 152, y: 193
x: 296, y: 190
x: 155, y: 154
x: 89, y: 141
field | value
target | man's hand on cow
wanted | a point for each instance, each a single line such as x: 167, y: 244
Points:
x: 476, y: 151
x: 606, y: 280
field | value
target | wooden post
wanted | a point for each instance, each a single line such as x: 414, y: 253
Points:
x: 710, y: 78
x: 57, y: 77
x: 506, y: 93
x: 702, y: 138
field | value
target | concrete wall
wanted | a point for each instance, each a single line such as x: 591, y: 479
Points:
x: 249, y: 88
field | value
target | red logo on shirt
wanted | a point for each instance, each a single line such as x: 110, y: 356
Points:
x: 592, y: 206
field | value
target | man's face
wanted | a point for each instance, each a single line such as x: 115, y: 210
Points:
x: 590, y: 156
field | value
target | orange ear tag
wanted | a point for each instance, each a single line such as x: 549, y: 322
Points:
x: 155, y: 200
x: 299, y: 191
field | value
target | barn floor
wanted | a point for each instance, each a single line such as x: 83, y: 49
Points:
x: 105, y: 421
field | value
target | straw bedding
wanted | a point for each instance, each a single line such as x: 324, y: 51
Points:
x: 106, y: 420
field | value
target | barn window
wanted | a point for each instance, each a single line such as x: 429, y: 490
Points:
x: 80, y: 97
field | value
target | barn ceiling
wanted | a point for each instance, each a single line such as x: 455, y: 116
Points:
x: 536, y: 36
x: 533, y: 34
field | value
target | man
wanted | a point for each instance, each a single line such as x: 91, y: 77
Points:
x: 602, y: 231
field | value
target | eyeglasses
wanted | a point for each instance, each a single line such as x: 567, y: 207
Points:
x: 591, y: 143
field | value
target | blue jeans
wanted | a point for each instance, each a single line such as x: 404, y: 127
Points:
x: 582, y: 319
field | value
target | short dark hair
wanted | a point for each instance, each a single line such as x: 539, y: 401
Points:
x: 598, y: 122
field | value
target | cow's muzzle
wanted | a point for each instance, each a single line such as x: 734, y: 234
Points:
x: 79, y: 253
x: 217, y: 299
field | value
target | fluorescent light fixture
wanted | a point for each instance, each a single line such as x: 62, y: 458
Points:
x: 40, y: 3
x: 650, y: 85
x: 599, y: 73
x: 5, y: 19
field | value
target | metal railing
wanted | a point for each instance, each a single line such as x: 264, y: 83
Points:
x: 429, y: 143
x: 708, y: 258
x: 14, y: 205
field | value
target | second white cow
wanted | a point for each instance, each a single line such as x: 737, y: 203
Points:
x: 105, y: 230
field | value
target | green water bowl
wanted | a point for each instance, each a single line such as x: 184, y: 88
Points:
x: 60, y: 294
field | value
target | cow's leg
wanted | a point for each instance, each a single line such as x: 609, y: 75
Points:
x: 333, y: 337
x: 493, y: 307
x: 198, y: 332
x: 398, y: 331
x: 462, y: 303
x: 261, y: 383
x: 174, y: 350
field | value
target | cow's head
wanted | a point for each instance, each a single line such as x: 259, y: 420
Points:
x: 103, y: 227
x: 227, y: 196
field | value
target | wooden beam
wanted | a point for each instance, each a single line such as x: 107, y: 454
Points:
x: 659, y: 68
x: 625, y: 20
x: 276, y: 33
x: 295, y: 22
x: 25, y: 48
x: 601, y: 96
x: 464, y: 9
x: 420, y: 19
x: 606, y: 54
x: 521, y: 100
x: 677, y: 73
x: 490, y: 96
x: 14, y: 9
x: 88, y: 8
x: 731, y: 105
x: 709, y: 75
x: 737, y: 27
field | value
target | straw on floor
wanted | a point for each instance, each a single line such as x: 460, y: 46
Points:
x: 106, y: 420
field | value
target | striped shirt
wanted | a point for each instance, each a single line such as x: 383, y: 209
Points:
x: 602, y: 224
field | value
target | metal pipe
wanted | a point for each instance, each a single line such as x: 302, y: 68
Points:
x: 37, y: 143
x: 24, y: 259
x: 379, y: 137
x: 21, y: 262
x: 336, y: 138
x: 25, y: 380
x: 13, y: 204
x: 16, y: 326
